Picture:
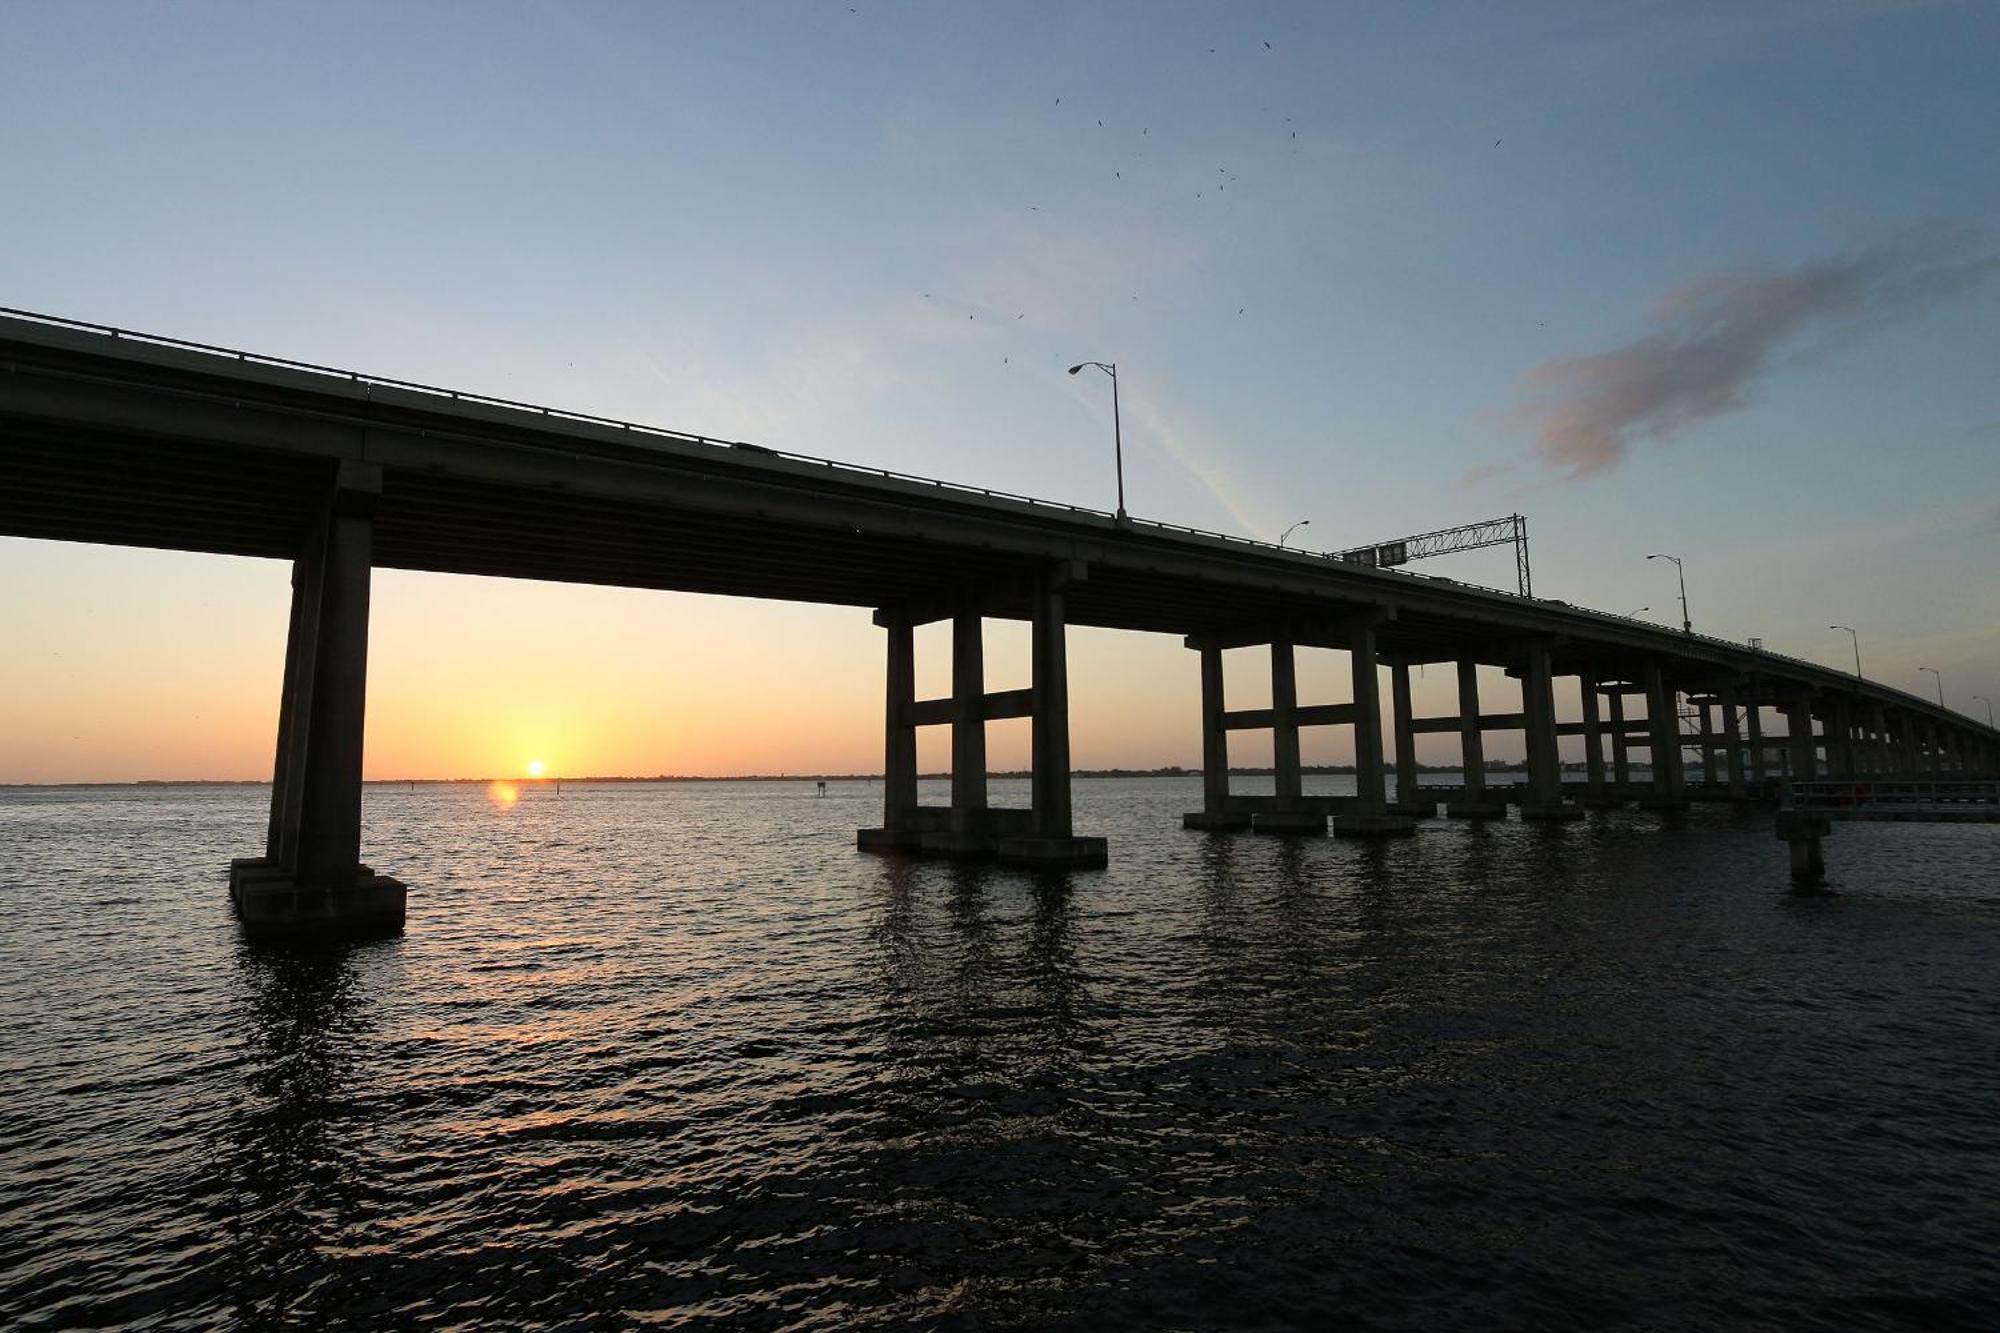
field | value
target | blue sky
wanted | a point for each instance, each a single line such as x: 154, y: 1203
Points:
x: 1339, y: 271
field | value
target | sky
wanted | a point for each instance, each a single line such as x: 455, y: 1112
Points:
x: 1718, y: 279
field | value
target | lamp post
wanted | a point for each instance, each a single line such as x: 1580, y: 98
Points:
x: 1857, y: 647
x: 1687, y: 626
x: 1940, y: 682
x: 1117, y: 437
x: 1980, y: 698
x: 1637, y: 612
x: 1289, y: 531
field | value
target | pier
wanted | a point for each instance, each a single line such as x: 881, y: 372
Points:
x: 108, y: 436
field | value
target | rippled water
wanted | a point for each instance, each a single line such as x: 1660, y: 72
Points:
x: 678, y: 1054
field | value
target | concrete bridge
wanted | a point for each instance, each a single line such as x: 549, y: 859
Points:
x: 107, y: 436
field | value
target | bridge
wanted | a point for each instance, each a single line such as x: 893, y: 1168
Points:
x: 110, y: 436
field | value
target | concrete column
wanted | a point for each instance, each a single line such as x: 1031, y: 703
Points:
x: 1369, y: 816
x: 311, y: 883
x: 1543, y: 799
x: 968, y: 720
x: 1050, y: 741
x: 1050, y: 843
x: 1621, y: 758
x: 1593, y: 744
x: 1471, y: 737
x: 1663, y: 735
x: 329, y: 849
x: 1708, y: 764
x: 1798, y: 725
x: 1839, y: 739
x: 1406, y: 737
x: 1754, y: 724
x: 1285, y: 724
x: 1214, y: 739
x: 1474, y: 802
x: 899, y: 758
x: 1732, y: 739
x: 281, y: 841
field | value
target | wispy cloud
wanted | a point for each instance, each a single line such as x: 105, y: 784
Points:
x: 1716, y: 337
x: 1480, y: 473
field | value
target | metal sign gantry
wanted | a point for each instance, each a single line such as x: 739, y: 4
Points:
x: 1488, y: 532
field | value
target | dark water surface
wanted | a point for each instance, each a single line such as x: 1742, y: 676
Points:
x: 677, y: 1054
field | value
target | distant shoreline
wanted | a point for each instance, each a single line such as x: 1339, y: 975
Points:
x: 1171, y: 772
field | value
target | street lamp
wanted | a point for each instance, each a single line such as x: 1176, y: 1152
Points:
x: 1980, y: 698
x: 1687, y: 626
x: 1635, y: 614
x: 1940, y: 682
x: 1857, y: 647
x: 1289, y: 531
x: 1117, y: 438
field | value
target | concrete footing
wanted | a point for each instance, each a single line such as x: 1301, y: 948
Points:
x: 1226, y: 821
x: 1008, y: 849
x: 1476, y: 810
x: 1373, y: 826
x: 1294, y: 823
x: 1550, y: 814
x: 1803, y: 833
x: 1074, y: 852
x: 271, y: 904
x: 1414, y: 809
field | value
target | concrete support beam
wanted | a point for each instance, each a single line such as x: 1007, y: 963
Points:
x: 1663, y: 733
x: 1595, y: 796
x: 1369, y: 816
x: 1800, y: 743
x: 1543, y: 799
x: 1473, y: 802
x: 1284, y: 723
x: 1409, y: 800
x: 1754, y: 725
x: 295, y: 702
x: 1732, y: 739
x: 1708, y: 764
x: 968, y: 723
x: 1621, y: 759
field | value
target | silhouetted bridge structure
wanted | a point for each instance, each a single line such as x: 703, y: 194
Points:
x: 106, y: 436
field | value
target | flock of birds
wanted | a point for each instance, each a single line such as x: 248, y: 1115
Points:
x: 1220, y: 186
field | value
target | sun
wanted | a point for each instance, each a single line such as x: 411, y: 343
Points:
x: 536, y: 768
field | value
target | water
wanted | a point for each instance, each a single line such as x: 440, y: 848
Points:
x: 677, y: 1054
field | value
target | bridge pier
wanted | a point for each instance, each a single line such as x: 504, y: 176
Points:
x: 969, y: 827
x: 310, y: 882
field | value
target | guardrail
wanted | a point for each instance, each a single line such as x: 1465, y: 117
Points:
x: 1866, y: 798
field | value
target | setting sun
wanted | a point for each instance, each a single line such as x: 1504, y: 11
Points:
x: 536, y: 768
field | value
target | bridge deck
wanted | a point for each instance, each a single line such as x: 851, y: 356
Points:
x: 145, y: 442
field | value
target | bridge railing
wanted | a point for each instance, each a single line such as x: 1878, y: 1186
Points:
x: 1916, y: 794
